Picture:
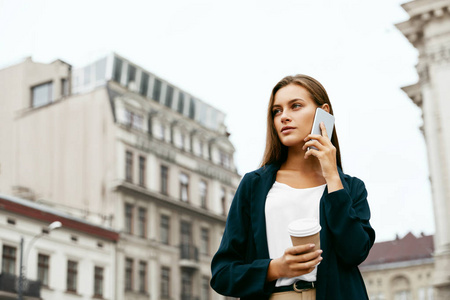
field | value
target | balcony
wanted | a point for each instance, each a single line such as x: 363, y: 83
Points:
x: 189, y: 256
x: 9, y: 285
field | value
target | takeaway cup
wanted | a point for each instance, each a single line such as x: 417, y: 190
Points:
x: 305, y: 231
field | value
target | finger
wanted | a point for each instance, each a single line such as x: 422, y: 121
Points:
x: 314, y: 143
x: 323, y: 129
x: 299, y: 249
x: 307, y: 266
x: 312, y: 152
x: 306, y: 257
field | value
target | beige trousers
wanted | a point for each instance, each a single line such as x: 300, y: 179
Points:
x: 306, y: 295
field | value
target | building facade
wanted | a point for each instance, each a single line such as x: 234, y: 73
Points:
x: 120, y: 147
x: 428, y: 30
x: 76, y: 261
x: 401, y: 269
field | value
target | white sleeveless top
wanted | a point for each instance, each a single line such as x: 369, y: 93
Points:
x: 285, y: 204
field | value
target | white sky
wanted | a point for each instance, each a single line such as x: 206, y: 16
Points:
x: 231, y: 53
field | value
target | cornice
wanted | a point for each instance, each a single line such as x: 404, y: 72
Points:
x: 421, y: 12
x: 171, y: 202
x: 414, y: 93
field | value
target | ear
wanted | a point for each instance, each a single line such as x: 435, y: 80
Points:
x: 326, y: 107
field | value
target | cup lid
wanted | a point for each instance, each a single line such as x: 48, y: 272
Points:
x: 304, y: 227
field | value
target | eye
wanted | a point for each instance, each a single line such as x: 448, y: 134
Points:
x: 276, y: 111
x: 296, y: 105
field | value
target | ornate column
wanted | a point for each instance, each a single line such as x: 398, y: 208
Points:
x: 428, y: 29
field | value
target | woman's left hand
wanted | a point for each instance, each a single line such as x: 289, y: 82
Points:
x: 326, y: 154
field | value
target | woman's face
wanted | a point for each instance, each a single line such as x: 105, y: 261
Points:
x: 293, y: 114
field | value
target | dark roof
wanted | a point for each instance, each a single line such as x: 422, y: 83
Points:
x: 407, y: 248
x: 48, y: 214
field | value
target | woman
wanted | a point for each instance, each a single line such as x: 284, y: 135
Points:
x: 295, y: 181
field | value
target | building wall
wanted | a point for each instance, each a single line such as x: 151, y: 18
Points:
x: 428, y: 29
x: 60, y: 247
x: 71, y: 154
x: 400, y: 281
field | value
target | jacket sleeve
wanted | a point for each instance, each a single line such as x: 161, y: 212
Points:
x: 235, y: 272
x: 347, y: 213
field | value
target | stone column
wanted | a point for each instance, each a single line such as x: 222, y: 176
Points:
x: 428, y: 29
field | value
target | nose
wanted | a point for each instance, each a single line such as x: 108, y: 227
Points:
x: 285, y: 117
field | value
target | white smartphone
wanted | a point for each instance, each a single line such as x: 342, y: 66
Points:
x: 327, y: 119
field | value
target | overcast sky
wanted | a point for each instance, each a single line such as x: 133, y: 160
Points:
x: 231, y: 54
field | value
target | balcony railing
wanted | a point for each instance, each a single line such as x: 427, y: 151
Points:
x: 189, y: 252
x: 10, y: 283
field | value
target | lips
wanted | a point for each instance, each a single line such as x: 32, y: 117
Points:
x: 286, y: 129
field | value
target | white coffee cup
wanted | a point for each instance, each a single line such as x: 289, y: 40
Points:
x: 305, y: 231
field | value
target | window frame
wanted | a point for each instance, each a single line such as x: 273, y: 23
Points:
x: 72, y: 276
x: 129, y: 264
x: 99, y: 279
x: 43, y: 269
x: 49, y: 95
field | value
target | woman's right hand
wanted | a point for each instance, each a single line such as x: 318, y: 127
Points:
x: 296, y: 261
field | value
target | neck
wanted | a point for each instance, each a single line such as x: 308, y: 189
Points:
x: 296, y: 161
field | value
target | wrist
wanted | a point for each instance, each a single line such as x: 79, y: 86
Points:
x: 334, y: 183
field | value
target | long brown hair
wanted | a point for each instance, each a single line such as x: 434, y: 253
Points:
x: 275, y: 151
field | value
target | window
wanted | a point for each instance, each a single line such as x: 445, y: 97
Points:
x: 142, y: 171
x: 169, y: 96
x: 142, y: 222
x: 64, y: 87
x: 402, y: 295
x: 131, y: 75
x: 192, y: 109
x: 186, y: 285
x: 43, y: 267
x: 164, y: 179
x: 134, y: 120
x: 98, y: 282
x: 187, y: 250
x: 142, y: 277
x: 42, y: 94
x: 165, y: 282
x: 157, y: 90
x: 223, y: 201
x: 143, y: 89
x: 180, y: 107
x: 203, y: 190
x: 72, y: 274
x: 9, y: 260
x: 162, y: 131
x: 184, y: 187
x: 165, y: 227
x: 128, y: 274
x: 129, y: 166
x: 117, y: 69
x: 204, y: 247
x: 224, y: 159
x: 205, y: 294
x: 430, y: 292
x: 128, y: 218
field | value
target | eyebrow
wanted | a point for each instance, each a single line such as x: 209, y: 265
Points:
x: 290, y: 101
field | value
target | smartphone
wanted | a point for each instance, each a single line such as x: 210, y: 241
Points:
x: 327, y: 119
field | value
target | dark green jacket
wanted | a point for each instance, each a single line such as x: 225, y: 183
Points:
x: 239, y: 267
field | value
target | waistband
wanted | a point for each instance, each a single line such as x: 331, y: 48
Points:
x: 298, y: 286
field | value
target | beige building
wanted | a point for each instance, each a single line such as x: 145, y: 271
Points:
x: 75, y: 261
x: 401, y: 269
x: 428, y: 30
x: 120, y: 147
